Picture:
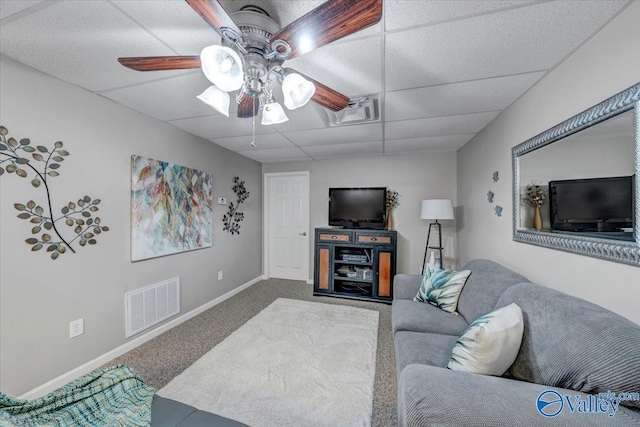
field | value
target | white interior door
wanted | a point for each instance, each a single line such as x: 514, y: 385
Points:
x: 288, y: 223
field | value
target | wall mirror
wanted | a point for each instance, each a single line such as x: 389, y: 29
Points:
x: 585, y: 171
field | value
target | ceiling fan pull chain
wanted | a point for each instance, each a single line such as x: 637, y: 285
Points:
x: 253, y: 136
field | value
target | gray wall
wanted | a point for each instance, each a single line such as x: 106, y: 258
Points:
x: 39, y: 297
x: 605, y: 65
x: 416, y: 177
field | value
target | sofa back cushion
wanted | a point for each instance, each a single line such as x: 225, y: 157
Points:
x: 485, y: 285
x: 571, y: 343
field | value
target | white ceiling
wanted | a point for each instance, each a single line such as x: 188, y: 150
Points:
x: 442, y: 69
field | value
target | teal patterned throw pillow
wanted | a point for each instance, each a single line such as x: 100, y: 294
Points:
x: 442, y: 288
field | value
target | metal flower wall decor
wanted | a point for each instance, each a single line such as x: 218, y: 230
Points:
x: 232, y: 219
x: 79, y: 215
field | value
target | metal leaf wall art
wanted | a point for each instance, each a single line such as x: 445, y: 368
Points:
x: 77, y: 215
x: 232, y: 219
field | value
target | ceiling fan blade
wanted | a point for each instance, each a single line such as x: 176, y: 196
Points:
x: 329, y: 22
x: 325, y: 96
x: 214, y: 14
x: 248, y: 107
x: 155, y: 63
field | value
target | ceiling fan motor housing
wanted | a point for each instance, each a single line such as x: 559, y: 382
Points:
x: 257, y: 28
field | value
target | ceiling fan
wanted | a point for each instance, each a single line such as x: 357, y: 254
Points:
x: 254, y: 49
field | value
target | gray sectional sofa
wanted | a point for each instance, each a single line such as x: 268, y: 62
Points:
x: 170, y: 413
x: 570, y: 346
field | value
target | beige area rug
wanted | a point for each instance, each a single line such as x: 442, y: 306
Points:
x: 296, y: 363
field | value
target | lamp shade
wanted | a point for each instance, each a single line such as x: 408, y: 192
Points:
x: 436, y: 209
x: 216, y: 99
x: 297, y: 91
x: 272, y: 114
x: 223, y: 67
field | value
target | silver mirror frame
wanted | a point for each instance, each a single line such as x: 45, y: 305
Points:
x: 618, y: 251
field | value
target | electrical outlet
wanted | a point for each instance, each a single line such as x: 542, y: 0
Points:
x: 220, y: 275
x: 222, y: 200
x: 76, y: 328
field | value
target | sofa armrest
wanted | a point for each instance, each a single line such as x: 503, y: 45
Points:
x: 434, y: 396
x: 405, y: 286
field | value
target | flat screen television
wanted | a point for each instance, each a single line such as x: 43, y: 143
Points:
x: 592, y: 205
x: 358, y: 207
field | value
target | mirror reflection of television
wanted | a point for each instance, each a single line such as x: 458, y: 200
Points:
x: 358, y: 207
x: 593, y: 205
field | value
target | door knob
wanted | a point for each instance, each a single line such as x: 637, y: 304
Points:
x: 303, y: 234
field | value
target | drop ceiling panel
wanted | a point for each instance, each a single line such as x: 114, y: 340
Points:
x: 452, y: 142
x: 80, y: 42
x: 408, y: 13
x: 457, y: 98
x: 351, y: 68
x: 10, y: 7
x: 302, y: 118
x: 277, y: 155
x: 515, y: 41
x: 336, y: 135
x: 346, y: 150
x: 219, y: 126
x: 167, y: 99
x: 437, y: 126
x: 263, y: 142
x: 173, y: 22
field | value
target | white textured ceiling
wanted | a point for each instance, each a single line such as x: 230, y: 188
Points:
x: 442, y: 69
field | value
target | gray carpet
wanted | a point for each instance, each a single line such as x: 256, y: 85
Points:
x: 166, y: 356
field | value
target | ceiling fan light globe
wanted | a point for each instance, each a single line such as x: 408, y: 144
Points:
x: 273, y: 114
x: 297, y: 91
x: 216, y: 99
x: 223, y: 67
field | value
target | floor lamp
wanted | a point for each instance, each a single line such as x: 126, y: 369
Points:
x: 435, y: 209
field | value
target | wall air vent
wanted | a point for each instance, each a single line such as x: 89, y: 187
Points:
x: 151, y: 305
x: 365, y: 109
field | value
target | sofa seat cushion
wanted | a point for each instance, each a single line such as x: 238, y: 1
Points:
x: 571, y: 343
x: 407, y: 315
x: 422, y: 348
x: 487, y: 282
x: 171, y: 413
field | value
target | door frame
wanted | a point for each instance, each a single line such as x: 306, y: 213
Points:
x: 266, y: 217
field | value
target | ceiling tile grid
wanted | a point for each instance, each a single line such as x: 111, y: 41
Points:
x: 166, y: 99
x: 263, y: 142
x: 219, y: 126
x: 173, y: 22
x: 401, y: 14
x: 344, y: 150
x: 79, y: 42
x: 438, y: 126
x: 442, y: 69
x: 11, y: 7
x: 511, y: 42
x: 277, y: 155
x: 336, y: 135
x: 458, y: 98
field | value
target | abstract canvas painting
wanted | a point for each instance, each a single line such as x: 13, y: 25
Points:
x: 171, y: 208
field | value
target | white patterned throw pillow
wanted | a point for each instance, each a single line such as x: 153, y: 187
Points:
x: 490, y: 344
x: 442, y: 288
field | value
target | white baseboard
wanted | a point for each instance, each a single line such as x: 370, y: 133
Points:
x: 65, y: 378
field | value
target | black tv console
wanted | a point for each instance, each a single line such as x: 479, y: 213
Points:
x: 355, y: 263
